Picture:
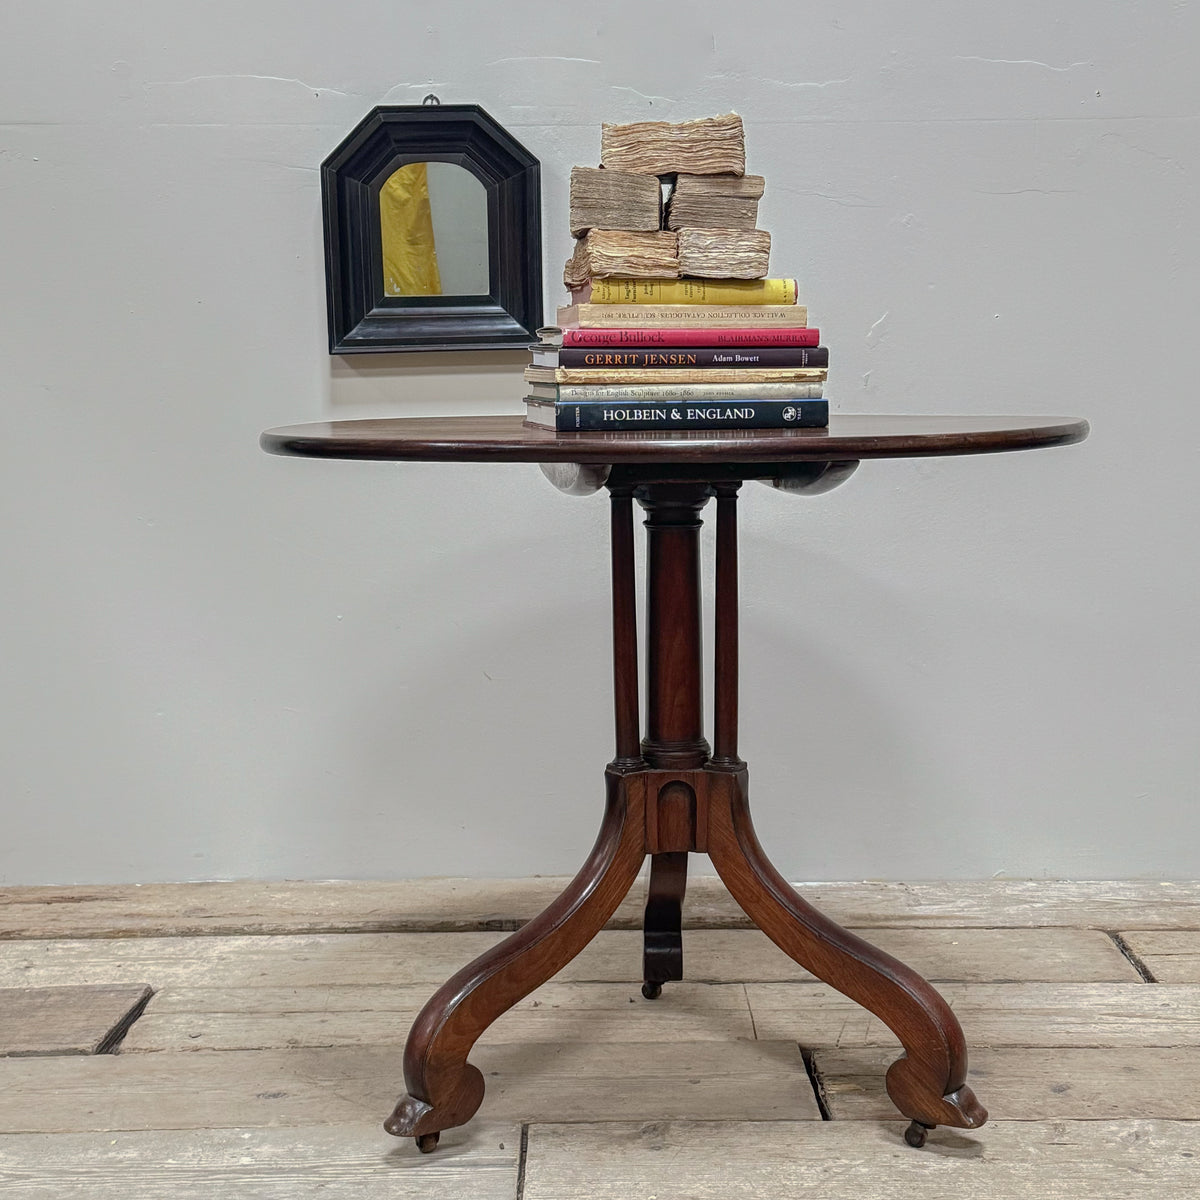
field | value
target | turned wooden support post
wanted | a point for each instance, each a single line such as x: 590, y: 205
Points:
x: 674, y: 668
x: 675, y: 714
x: 725, y: 641
x: 624, y: 612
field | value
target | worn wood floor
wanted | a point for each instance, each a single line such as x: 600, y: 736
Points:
x: 244, y: 1040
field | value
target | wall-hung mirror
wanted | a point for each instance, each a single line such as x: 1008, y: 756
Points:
x: 432, y: 233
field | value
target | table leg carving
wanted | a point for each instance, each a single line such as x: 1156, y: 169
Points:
x: 444, y: 1090
x: 928, y: 1084
x: 662, y: 956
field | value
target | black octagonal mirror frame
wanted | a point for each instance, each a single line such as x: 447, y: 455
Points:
x: 362, y: 318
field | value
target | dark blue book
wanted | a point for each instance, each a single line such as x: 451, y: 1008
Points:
x: 617, y: 415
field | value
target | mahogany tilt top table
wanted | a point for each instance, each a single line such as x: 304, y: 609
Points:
x: 668, y: 792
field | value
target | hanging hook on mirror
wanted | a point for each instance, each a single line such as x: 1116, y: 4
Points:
x: 477, y: 282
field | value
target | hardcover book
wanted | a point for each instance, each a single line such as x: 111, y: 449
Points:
x: 655, y: 392
x: 717, y: 316
x: 681, y: 356
x: 675, y: 375
x: 617, y: 416
x: 647, y: 337
x: 722, y: 291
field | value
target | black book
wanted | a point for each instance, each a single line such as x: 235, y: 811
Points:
x: 618, y: 415
x: 684, y: 357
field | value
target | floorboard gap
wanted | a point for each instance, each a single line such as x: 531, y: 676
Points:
x: 750, y: 1010
x: 112, y: 1042
x: 522, y: 1155
x: 818, y: 1084
x: 1132, y: 955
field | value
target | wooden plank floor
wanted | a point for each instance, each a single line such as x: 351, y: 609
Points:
x: 67, y: 1020
x: 270, y: 1047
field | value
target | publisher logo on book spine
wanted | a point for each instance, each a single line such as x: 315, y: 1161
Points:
x: 790, y: 413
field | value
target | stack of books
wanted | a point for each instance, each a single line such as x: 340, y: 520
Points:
x: 672, y: 323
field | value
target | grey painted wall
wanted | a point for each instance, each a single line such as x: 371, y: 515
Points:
x: 221, y: 664
x: 458, y: 204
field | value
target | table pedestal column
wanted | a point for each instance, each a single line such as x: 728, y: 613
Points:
x: 669, y: 795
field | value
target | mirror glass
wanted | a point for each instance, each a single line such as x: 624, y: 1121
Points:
x: 434, y: 223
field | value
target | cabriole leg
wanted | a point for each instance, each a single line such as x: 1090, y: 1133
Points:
x: 444, y: 1089
x: 929, y: 1083
x: 662, y: 956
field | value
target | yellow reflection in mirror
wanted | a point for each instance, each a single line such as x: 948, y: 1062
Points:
x: 410, y: 265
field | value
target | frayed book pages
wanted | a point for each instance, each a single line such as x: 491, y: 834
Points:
x: 625, y: 253
x: 715, y: 202
x: 724, y: 253
x: 604, y: 199
x: 709, y: 146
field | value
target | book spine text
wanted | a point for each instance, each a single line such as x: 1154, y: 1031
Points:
x: 650, y: 393
x: 562, y: 375
x: 686, y: 357
x: 649, y: 338
x: 761, y: 415
x: 617, y: 316
x: 692, y: 291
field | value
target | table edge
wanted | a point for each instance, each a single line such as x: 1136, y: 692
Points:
x: 291, y: 441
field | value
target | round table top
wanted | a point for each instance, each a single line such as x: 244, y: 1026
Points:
x: 509, y: 439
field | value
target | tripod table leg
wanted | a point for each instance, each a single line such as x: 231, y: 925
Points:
x: 662, y: 957
x: 928, y: 1084
x: 444, y: 1089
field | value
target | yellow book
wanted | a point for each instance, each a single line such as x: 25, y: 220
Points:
x: 689, y: 291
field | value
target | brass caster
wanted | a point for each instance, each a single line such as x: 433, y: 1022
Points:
x: 651, y: 991
x: 427, y: 1142
x: 916, y: 1133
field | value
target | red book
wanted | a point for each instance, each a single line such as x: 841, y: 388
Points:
x: 733, y: 336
